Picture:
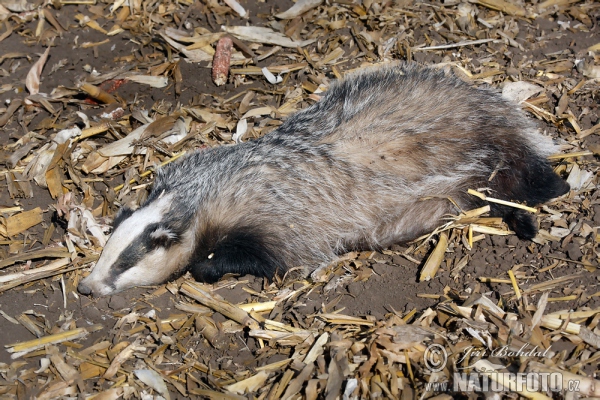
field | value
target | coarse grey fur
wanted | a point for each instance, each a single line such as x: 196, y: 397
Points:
x: 369, y: 165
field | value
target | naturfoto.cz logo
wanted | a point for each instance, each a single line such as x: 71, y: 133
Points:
x: 494, y: 381
x: 485, y: 379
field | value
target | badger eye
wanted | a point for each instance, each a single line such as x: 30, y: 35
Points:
x: 163, y: 237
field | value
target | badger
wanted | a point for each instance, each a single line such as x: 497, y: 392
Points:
x: 381, y: 159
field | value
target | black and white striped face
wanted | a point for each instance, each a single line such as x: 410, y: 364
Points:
x: 144, y: 249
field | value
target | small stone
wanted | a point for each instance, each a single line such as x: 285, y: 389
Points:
x: 380, y: 269
x: 513, y: 240
x: 378, y: 257
x: 545, y: 250
x: 596, y: 215
x: 498, y: 240
x: 118, y: 302
x: 491, y: 259
x: 574, y: 252
x: 91, y: 313
x: 355, y: 288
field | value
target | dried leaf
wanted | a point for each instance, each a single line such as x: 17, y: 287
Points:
x: 21, y: 222
x: 33, y: 77
x: 17, y: 5
x: 592, y: 71
x: 153, y: 81
x: 154, y: 380
x: 249, y: 385
x: 299, y: 8
x: 264, y: 35
x: 235, y: 6
x: 520, y: 91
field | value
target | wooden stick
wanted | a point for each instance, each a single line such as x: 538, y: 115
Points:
x: 229, y: 310
x: 502, y: 202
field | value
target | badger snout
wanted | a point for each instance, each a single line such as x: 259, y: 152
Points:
x: 84, y: 289
x: 91, y: 286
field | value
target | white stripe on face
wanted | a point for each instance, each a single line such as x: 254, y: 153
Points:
x: 128, y: 231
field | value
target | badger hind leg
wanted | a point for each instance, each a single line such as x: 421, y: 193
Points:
x: 529, y: 180
x: 242, y: 251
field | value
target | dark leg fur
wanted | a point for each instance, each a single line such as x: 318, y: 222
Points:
x: 242, y: 252
x: 522, y: 223
x: 538, y: 183
x: 528, y: 180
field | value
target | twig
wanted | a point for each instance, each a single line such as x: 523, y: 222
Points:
x: 452, y: 45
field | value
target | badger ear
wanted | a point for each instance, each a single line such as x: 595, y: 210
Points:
x: 122, y: 215
x: 163, y: 237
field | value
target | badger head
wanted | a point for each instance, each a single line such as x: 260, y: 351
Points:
x: 147, y: 247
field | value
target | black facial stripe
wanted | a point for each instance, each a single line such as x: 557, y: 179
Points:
x: 139, y: 248
x: 127, y: 259
x: 121, y: 216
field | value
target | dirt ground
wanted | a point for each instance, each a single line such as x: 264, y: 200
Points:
x: 370, y: 284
